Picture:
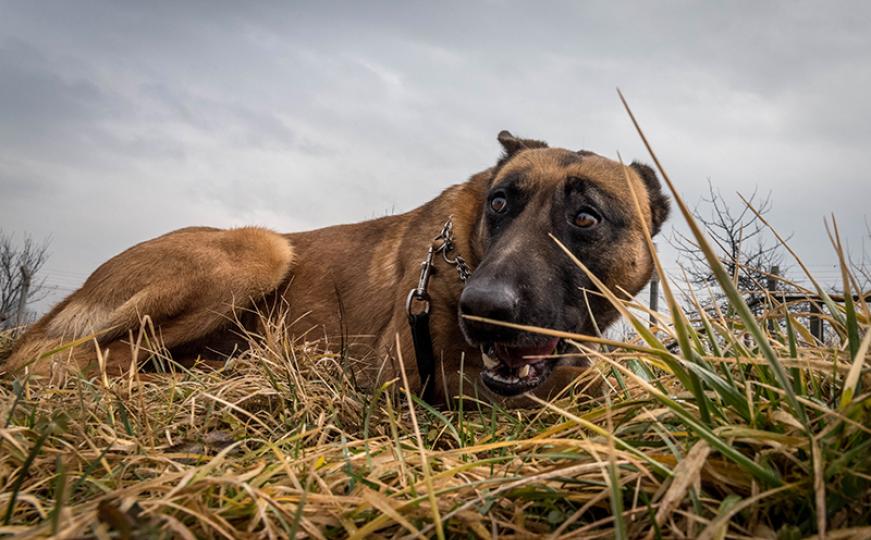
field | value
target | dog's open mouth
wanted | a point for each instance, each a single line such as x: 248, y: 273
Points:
x: 510, y: 371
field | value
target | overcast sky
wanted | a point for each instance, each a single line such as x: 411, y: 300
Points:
x: 120, y: 121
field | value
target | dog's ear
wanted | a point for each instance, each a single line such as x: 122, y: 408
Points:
x: 512, y: 144
x: 659, y: 203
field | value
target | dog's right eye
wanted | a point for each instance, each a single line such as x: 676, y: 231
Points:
x: 498, y: 204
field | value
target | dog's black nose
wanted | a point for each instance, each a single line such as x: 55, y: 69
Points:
x: 490, y: 299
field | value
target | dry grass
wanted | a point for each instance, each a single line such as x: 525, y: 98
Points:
x: 281, y: 443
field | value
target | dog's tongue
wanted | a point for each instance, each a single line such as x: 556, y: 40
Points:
x: 515, y: 356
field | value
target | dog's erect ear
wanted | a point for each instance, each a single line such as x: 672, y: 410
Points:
x: 513, y: 144
x: 659, y: 204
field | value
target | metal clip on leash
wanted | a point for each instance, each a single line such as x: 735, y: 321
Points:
x: 420, y: 293
x: 419, y: 320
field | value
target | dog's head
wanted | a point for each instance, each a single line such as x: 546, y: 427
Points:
x: 585, y: 202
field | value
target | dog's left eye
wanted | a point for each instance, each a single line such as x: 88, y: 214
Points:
x: 499, y: 204
x: 586, y: 219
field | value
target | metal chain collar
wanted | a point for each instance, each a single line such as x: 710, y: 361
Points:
x: 444, y: 244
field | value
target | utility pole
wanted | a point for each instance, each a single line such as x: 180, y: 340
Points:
x: 816, y: 321
x: 773, y: 274
x: 22, y: 296
x: 654, y: 293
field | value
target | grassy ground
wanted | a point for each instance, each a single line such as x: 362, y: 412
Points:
x: 745, y: 430
x: 281, y: 444
x: 742, y: 429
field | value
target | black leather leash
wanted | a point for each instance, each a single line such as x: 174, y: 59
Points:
x: 418, y: 306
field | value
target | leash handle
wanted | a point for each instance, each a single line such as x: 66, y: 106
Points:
x: 423, y: 353
x: 418, y: 319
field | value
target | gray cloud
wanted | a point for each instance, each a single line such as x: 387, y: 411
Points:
x: 119, y: 121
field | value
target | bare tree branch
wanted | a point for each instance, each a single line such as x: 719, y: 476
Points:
x: 19, y: 284
x: 746, y: 250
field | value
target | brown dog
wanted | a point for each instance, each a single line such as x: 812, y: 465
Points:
x: 352, y: 281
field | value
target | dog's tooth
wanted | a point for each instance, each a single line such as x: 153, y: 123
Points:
x: 524, y: 371
x: 489, y: 362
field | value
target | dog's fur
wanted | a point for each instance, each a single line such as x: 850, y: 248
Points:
x: 348, y: 283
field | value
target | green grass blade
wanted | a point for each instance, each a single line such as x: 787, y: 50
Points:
x: 22, y: 474
x: 851, y: 383
x: 735, y: 299
x: 765, y: 475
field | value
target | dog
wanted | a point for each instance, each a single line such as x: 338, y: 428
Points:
x: 491, y: 250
